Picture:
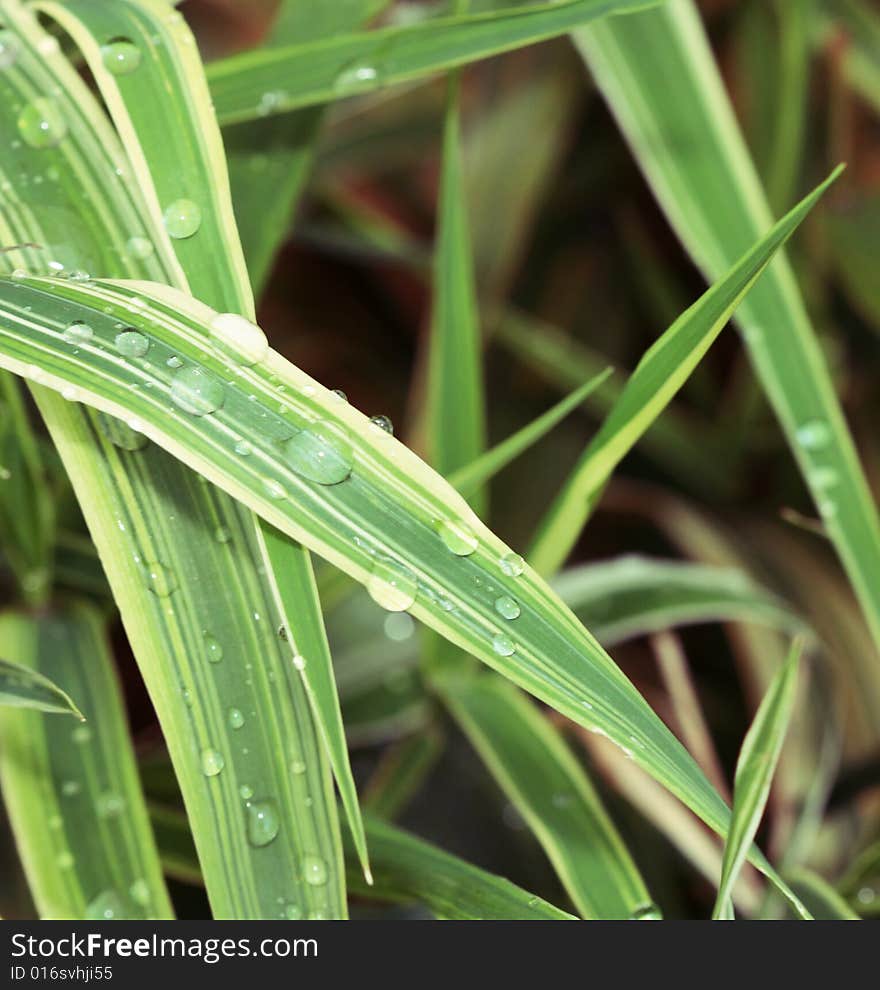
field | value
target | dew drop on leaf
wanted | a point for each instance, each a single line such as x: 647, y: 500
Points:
x: 160, y: 579
x: 314, y: 871
x: 503, y: 645
x: 106, y: 906
x: 383, y: 423
x: 132, y: 343
x: 237, y: 336
x: 41, y: 123
x: 263, y: 823
x: 457, y: 538
x: 814, y: 435
x: 321, y: 453
x: 235, y: 718
x: 212, y: 762
x: 512, y: 564
x: 182, y: 219
x: 197, y: 391
x: 78, y: 333
x: 507, y: 607
x: 120, y: 56
x: 392, y: 585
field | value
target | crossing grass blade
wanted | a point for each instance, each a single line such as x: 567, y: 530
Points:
x: 754, y: 774
x: 97, y: 860
x: 319, y: 72
x: 23, y: 687
x: 550, y: 790
x: 673, y: 99
x: 659, y: 375
x: 167, y: 541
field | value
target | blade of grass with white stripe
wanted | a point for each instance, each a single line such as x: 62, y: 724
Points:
x: 168, y: 542
x: 319, y: 72
x: 632, y: 596
x: 321, y: 472
x: 550, y: 789
x: 188, y: 163
x: 660, y: 373
x: 96, y: 859
x: 657, y: 72
x: 754, y: 772
x: 410, y: 870
x: 471, y: 476
x: 23, y: 687
x: 270, y: 160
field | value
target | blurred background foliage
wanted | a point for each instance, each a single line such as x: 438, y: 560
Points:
x: 577, y: 269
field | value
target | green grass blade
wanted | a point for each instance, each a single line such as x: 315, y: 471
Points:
x: 820, y: 898
x: 72, y: 791
x: 294, y: 583
x: 471, y: 476
x: 633, y: 596
x: 23, y: 687
x: 401, y: 773
x: 409, y: 870
x: 168, y: 542
x: 674, y: 100
x: 319, y: 72
x: 270, y: 160
x: 321, y: 472
x: 754, y: 773
x: 552, y: 793
x: 661, y: 372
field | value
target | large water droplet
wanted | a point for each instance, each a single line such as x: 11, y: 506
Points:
x: 120, y: 56
x: 212, y: 762
x: 197, y: 391
x: 78, y: 333
x: 321, y: 453
x: 132, y: 343
x: 182, y: 219
x: 263, y: 823
x: 503, y: 645
x: 512, y: 564
x: 813, y: 435
x: 237, y: 336
x: 457, y: 537
x: 314, y: 871
x: 41, y: 123
x: 107, y: 906
x: 507, y: 607
x: 392, y: 585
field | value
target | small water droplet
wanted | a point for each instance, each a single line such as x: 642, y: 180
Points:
x: 274, y: 489
x: 70, y: 788
x: 78, y: 333
x: 293, y: 912
x: 398, y: 626
x: 174, y: 362
x: 356, y: 77
x: 383, y: 423
x: 109, y: 805
x: 64, y: 860
x: 213, y: 649
x: 512, y: 564
x: 299, y: 662
x: 321, y: 453
x: 41, y: 123
x: 139, y: 892
x: 507, y: 607
x: 392, y: 585
x: 222, y: 534
x: 823, y: 477
x: 243, y: 448
x: 245, y: 792
x: 235, y: 717
x: 314, y: 871
x: 297, y: 767
x: 814, y: 435
x: 212, y: 762
x: 120, y: 56
x: 182, y: 219
x: 160, y: 579
x: 139, y: 248
x: 457, y: 537
x: 107, y: 906
x: 197, y: 391
x: 81, y: 735
x: 263, y: 823
x: 503, y: 645
x: 337, y: 392
x: 827, y: 508
x: 237, y: 336
x: 132, y: 343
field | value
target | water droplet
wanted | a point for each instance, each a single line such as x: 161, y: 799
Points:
x: 512, y: 564
x: 297, y: 767
x: 245, y: 792
x: 41, y: 123
x: 356, y: 77
x: 398, y: 626
x: 197, y: 391
x: 132, y: 343
x: 139, y: 248
x: 235, y: 718
x: 160, y: 580
x: 314, y: 871
x: 507, y: 607
x: 120, y: 56
x: 78, y: 333
x: 457, y: 537
x: 212, y: 762
x: 383, y: 423
x: 392, y: 585
x: 243, y: 448
x: 9, y: 49
x: 293, y: 912
x: 262, y: 822
x: 823, y: 477
x: 274, y: 489
x: 81, y: 735
x: 235, y: 335
x: 174, y: 362
x: 109, y: 805
x: 182, y: 219
x: 121, y: 434
x: 503, y: 645
x: 139, y: 892
x: 321, y: 453
x: 70, y: 788
x: 814, y: 435
x: 299, y: 662
x: 337, y: 392
x: 827, y: 508
x: 64, y: 860
x: 107, y: 906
